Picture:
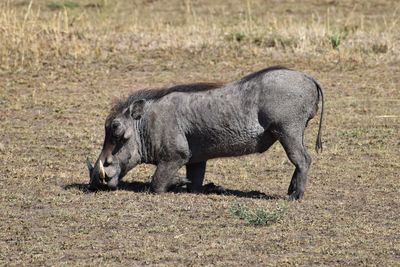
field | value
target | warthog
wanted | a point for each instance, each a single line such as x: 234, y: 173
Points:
x: 186, y: 125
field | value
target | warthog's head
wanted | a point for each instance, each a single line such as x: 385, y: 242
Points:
x: 121, y: 148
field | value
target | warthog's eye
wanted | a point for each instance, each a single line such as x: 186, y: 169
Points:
x: 117, y: 128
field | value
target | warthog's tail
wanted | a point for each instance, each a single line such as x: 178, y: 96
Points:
x: 318, y: 143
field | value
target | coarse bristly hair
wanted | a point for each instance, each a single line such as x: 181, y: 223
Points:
x: 259, y: 73
x: 157, y: 93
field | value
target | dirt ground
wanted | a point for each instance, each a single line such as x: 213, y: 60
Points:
x: 62, y: 67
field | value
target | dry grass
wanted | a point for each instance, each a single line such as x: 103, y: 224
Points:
x: 61, y: 68
x: 34, y: 35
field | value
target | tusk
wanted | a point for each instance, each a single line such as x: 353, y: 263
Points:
x: 102, y: 171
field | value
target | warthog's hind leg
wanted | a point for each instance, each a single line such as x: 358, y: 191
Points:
x: 195, y: 174
x: 292, y: 141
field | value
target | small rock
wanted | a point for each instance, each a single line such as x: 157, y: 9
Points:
x: 2, y: 147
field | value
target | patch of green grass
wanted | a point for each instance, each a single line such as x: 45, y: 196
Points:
x: 338, y: 36
x: 257, y: 216
x: 62, y: 5
x: 335, y: 39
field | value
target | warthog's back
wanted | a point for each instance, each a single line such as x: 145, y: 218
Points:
x: 239, y: 117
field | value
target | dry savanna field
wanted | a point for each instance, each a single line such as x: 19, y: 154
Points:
x: 63, y: 63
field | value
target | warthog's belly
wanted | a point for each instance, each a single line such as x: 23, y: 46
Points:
x: 227, y: 142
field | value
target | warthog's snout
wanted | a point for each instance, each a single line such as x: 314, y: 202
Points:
x: 113, y: 183
x: 100, y: 174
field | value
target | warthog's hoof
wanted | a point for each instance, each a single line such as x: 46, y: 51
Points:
x: 296, y: 195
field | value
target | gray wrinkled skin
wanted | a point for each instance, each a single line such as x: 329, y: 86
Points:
x: 188, y: 124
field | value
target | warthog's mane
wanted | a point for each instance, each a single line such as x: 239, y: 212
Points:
x: 259, y: 73
x: 157, y: 93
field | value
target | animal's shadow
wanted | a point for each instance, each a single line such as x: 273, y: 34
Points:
x: 210, y: 188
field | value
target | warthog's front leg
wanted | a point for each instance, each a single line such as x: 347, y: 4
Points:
x: 166, y: 176
x: 195, y: 174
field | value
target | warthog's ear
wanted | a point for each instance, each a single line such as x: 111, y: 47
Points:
x: 136, y: 109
